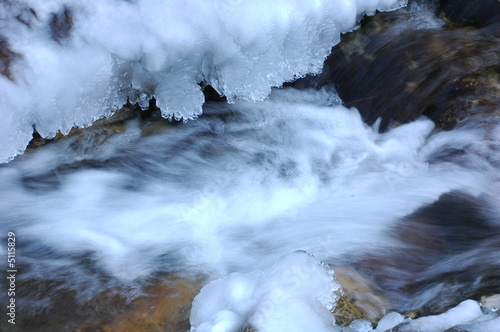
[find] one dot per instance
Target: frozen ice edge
(299, 293)
(164, 50)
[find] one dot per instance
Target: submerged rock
(447, 255)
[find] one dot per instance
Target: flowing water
(234, 191)
(265, 197)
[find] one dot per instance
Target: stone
(491, 303)
(478, 13)
(358, 300)
(164, 307)
(453, 226)
(450, 75)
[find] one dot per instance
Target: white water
(235, 196)
(231, 192)
(80, 60)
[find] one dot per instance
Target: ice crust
(467, 316)
(80, 60)
(295, 294)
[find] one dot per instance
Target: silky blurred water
(231, 192)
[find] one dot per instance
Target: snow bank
(78, 61)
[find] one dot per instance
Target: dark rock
(450, 75)
(478, 13)
(450, 250)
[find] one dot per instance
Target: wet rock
(87, 139)
(162, 304)
(392, 70)
(164, 307)
(447, 254)
(478, 13)
(358, 300)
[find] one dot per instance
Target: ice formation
(295, 294)
(467, 316)
(72, 62)
(389, 321)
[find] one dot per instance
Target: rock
(490, 303)
(450, 75)
(164, 307)
(87, 139)
(478, 13)
(452, 232)
(359, 300)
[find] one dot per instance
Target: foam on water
(232, 192)
(78, 61)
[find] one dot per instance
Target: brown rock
(358, 299)
(164, 307)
